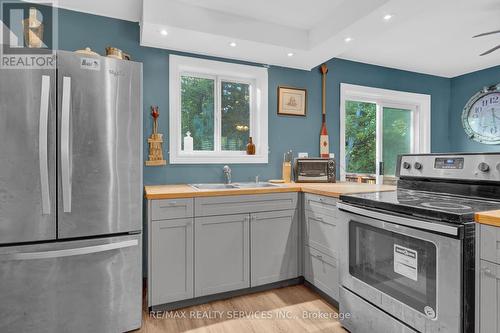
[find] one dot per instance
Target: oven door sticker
(90, 63)
(405, 262)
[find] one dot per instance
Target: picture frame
(292, 101)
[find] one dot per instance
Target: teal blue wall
(464, 87)
(78, 30)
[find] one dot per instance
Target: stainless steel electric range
(407, 256)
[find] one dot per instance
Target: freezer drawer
(80, 286)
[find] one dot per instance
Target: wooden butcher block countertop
(490, 218)
(330, 189)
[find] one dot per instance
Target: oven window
(399, 266)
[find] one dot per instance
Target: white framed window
(221, 105)
(376, 125)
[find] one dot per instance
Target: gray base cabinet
(171, 260)
(274, 246)
(320, 243)
(222, 254)
(490, 297)
(488, 279)
(205, 246)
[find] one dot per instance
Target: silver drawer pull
(319, 256)
(490, 274)
(170, 204)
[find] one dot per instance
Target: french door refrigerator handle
(43, 134)
(69, 252)
(65, 144)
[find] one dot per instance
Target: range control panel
(480, 166)
(449, 163)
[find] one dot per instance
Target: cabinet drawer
(242, 204)
(320, 232)
(321, 204)
(490, 243)
(322, 271)
(171, 209)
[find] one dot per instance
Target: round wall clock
(481, 116)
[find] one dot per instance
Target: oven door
(413, 275)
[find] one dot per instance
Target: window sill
(218, 159)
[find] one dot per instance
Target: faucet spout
(227, 174)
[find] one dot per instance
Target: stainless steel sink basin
(255, 185)
(213, 186)
(233, 186)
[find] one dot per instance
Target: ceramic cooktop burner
(445, 205)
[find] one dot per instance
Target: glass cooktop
(437, 206)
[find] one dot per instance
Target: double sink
(233, 186)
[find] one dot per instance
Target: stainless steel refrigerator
(71, 196)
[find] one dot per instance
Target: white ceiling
(427, 36)
(296, 14)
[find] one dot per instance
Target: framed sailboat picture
(292, 101)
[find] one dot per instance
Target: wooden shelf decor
(155, 141)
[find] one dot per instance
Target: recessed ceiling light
(347, 39)
(387, 17)
(164, 32)
(232, 44)
(290, 54)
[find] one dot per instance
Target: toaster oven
(314, 170)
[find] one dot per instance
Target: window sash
(257, 79)
(218, 79)
(419, 104)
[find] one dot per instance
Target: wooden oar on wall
(324, 149)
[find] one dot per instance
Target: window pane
(396, 137)
(235, 109)
(360, 136)
(197, 116)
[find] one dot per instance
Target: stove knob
(483, 167)
(417, 166)
(407, 165)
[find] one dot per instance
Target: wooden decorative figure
(155, 142)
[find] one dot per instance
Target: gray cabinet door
(274, 246)
(490, 298)
(221, 254)
(171, 261)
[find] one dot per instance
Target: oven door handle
(408, 222)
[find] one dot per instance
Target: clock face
(481, 117)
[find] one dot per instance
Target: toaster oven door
(312, 171)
